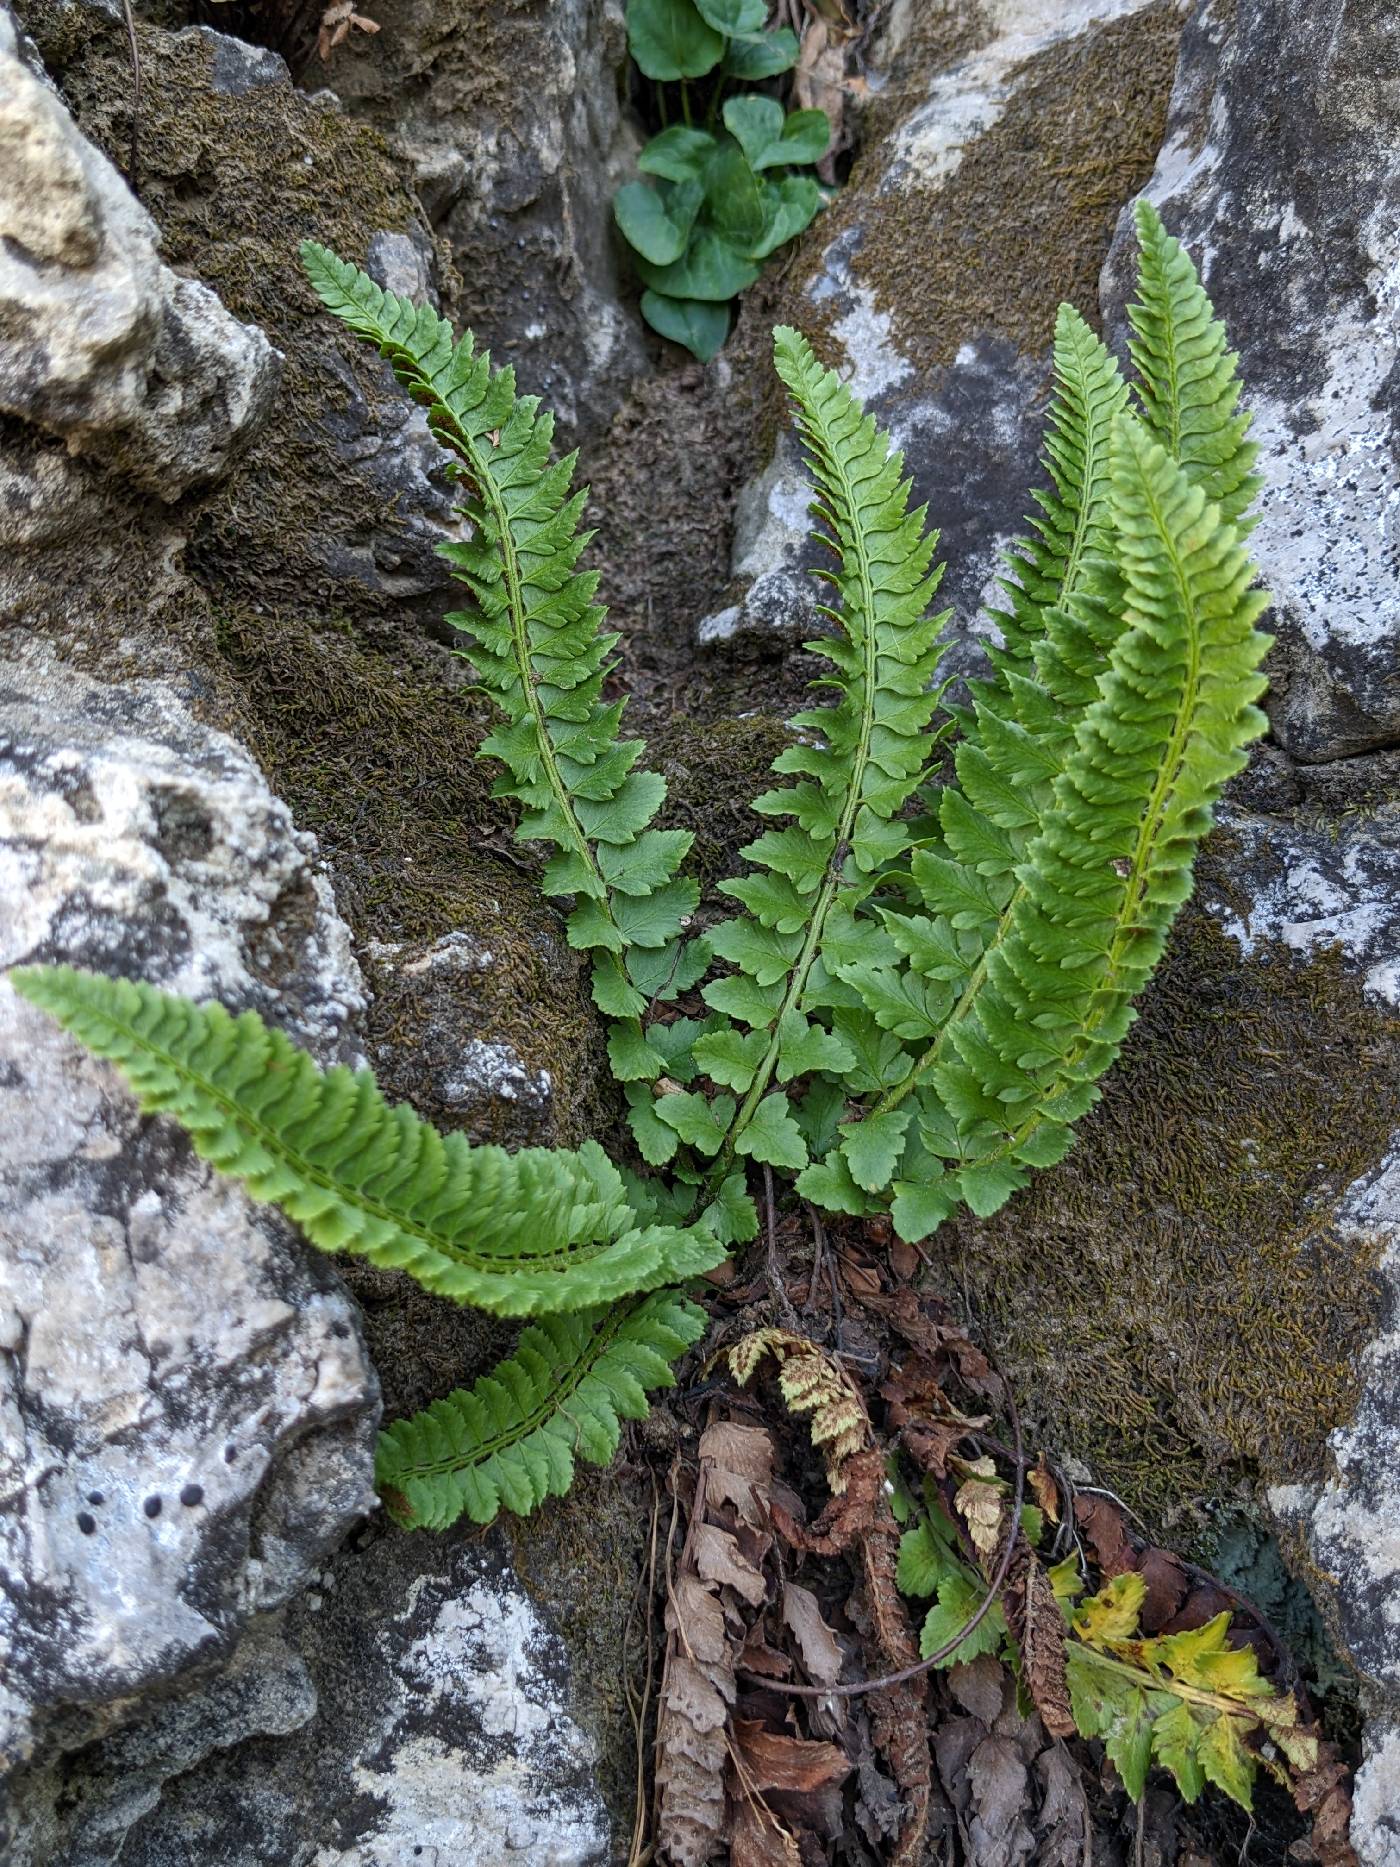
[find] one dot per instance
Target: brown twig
(132, 169)
(983, 1609)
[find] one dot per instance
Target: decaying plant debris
(804, 1716)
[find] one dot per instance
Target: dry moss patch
(1025, 220)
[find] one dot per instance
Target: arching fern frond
(856, 763)
(540, 649)
(1110, 865)
(546, 1229)
(510, 1441)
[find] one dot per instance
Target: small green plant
(1191, 1702)
(926, 976)
(721, 198)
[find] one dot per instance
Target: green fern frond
(1189, 387)
(510, 1441)
(1049, 1005)
(1072, 529)
(517, 1234)
(856, 764)
(540, 649)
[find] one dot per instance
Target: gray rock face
(455, 1742)
(187, 1412)
(1281, 172)
(936, 287)
(508, 122)
(100, 343)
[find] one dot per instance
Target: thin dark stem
(133, 173)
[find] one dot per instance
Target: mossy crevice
(1175, 1301)
(1025, 220)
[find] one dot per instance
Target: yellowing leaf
(1224, 1759)
(1113, 1613)
(1174, 1738)
(1204, 1658)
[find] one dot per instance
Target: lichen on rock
(187, 1412)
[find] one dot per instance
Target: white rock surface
(423, 1715)
(187, 1412)
(1281, 172)
(100, 343)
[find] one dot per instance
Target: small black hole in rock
(87, 1523)
(96, 1497)
(152, 1507)
(192, 1494)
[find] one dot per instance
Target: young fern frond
(1110, 865)
(991, 1105)
(856, 763)
(509, 1442)
(543, 1230)
(1072, 530)
(540, 649)
(1188, 387)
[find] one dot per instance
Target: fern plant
(927, 975)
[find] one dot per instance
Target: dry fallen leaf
(336, 22)
(772, 1760)
(816, 1643)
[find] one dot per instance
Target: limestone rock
(339, 500)
(187, 1411)
(932, 282)
(508, 121)
(1281, 173)
(100, 343)
(456, 1743)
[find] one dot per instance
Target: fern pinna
(928, 975)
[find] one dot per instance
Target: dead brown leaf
(772, 1760)
(1045, 1490)
(759, 1838)
(1039, 1626)
(821, 1656)
(718, 1558)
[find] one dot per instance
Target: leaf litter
(891, 1638)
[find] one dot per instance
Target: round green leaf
(644, 223)
(711, 269)
(678, 154)
(656, 224)
(669, 39)
(756, 122)
(788, 207)
(700, 327)
(733, 201)
(805, 136)
(735, 18)
(755, 59)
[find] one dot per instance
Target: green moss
(1175, 1301)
